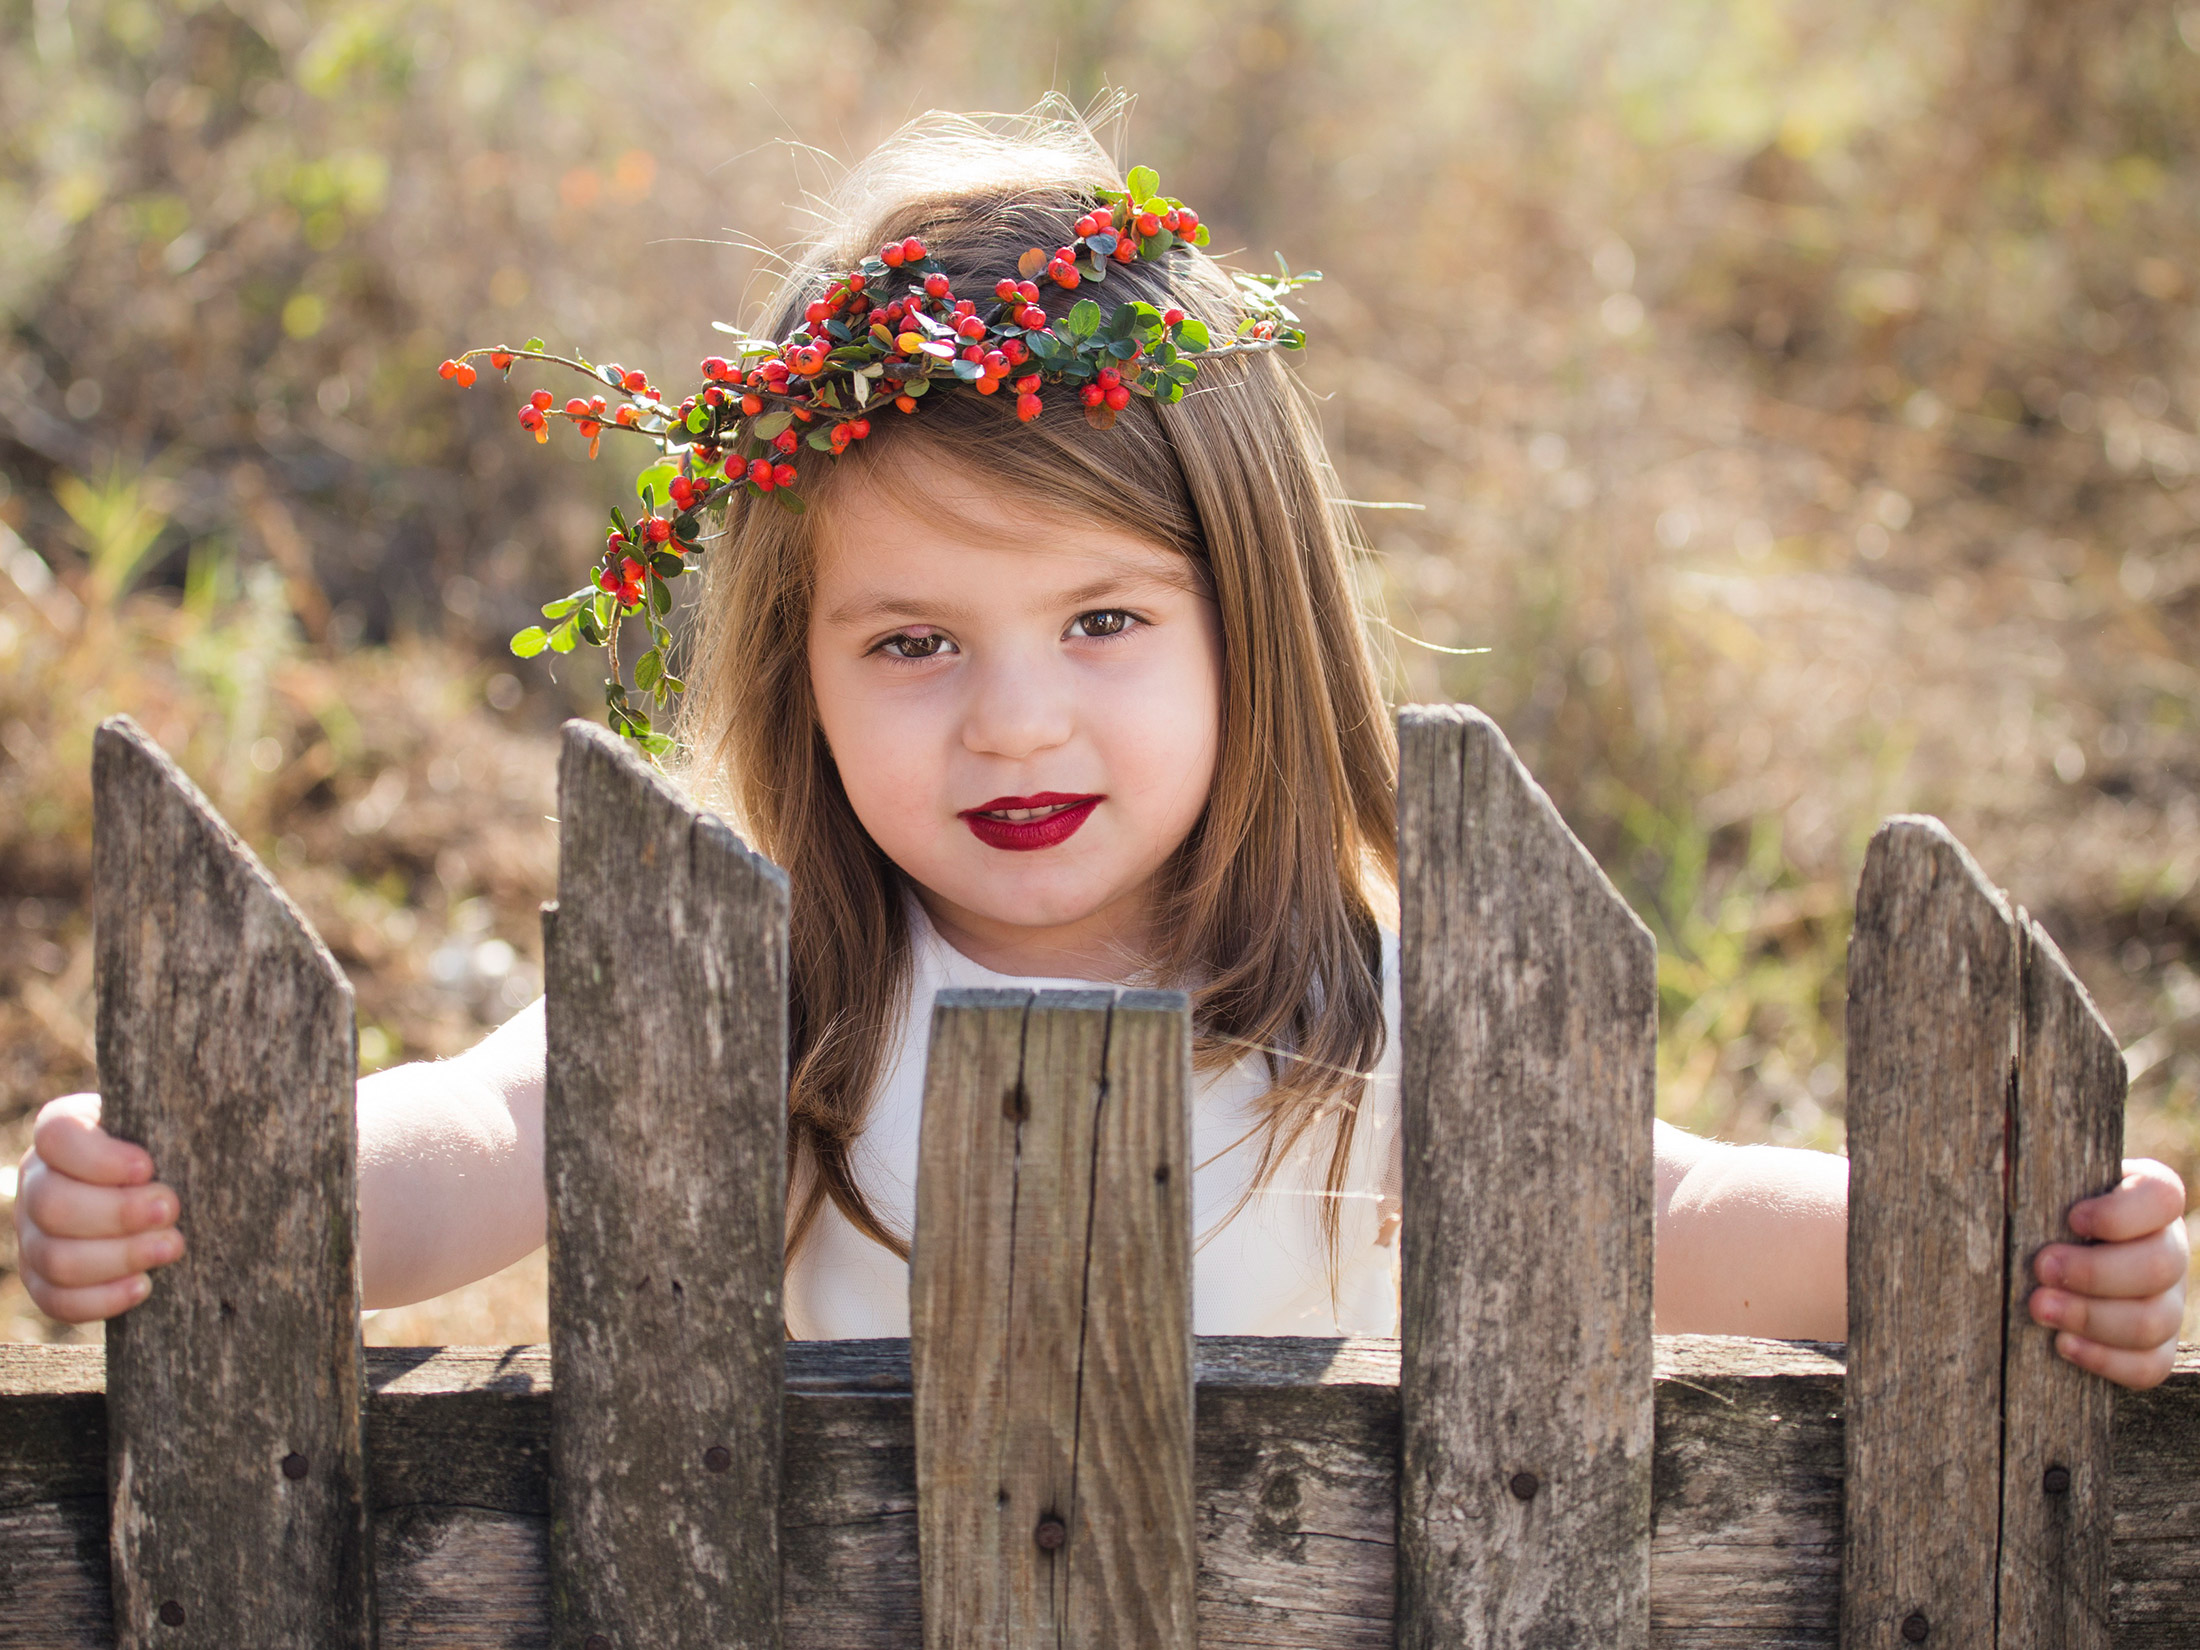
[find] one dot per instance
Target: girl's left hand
(2118, 1302)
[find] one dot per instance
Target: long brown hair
(1268, 908)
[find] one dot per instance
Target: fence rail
(1052, 1458)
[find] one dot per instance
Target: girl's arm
(1752, 1240)
(450, 1166)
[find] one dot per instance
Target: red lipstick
(1055, 818)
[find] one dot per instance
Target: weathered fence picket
(1516, 1472)
(664, 1157)
(233, 1393)
(1530, 1002)
(1985, 1097)
(1050, 1322)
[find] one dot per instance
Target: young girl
(1031, 697)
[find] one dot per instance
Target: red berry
(541, 399)
(996, 363)
(1092, 395)
(1028, 384)
(575, 407)
(907, 403)
(1148, 224)
(634, 382)
(751, 405)
(530, 418)
(1119, 397)
(1032, 318)
(855, 281)
(465, 376)
(1084, 225)
(1186, 220)
(715, 366)
(1030, 290)
(783, 474)
(860, 428)
(1014, 349)
(500, 359)
(891, 254)
(607, 581)
(936, 285)
(1172, 317)
(970, 327)
(1109, 378)
(971, 352)
(1064, 272)
(1004, 289)
(1104, 217)
(786, 441)
(761, 473)
(714, 396)
(682, 491)
(659, 529)
(449, 369)
(817, 314)
(1169, 219)
(987, 386)
(912, 250)
(1027, 407)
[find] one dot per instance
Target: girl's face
(1024, 711)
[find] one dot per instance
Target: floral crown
(888, 332)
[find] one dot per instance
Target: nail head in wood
(1052, 1534)
(2056, 1481)
(717, 1458)
(1524, 1485)
(171, 1613)
(294, 1466)
(1915, 1627)
(596, 1641)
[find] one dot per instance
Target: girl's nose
(1016, 711)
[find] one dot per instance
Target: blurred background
(1797, 399)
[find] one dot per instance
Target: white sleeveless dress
(1262, 1271)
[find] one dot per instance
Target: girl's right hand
(90, 1220)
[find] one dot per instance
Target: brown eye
(905, 646)
(1108, 621)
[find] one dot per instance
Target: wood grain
(1050, 1313)
(2068, 1144)
(1935, 995)
(236, 1472)
(664, 1132)
(1528, 1085)
(1296, 1463)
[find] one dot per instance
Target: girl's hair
(1269, 906)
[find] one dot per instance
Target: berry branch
(888, 332)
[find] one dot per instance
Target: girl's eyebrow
(869, 611)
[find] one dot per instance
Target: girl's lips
(1052, 816)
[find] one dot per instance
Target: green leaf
(1144, 183)
(591, 628)
(649, 670)
(1180, 372)
(838, 330)
(788, 502)
(820, 439)
(1103, 243)
(561, 639)
(660, 596)
(1083, 319)
(608, 376)
(698, 420)
(658, 479)
(606, 608)
(619, 522)
(1200, 237)
(668, 565)
(1095, 269)
(657, 744)
(1123, 349)
(675, 684)
(968, 371)
(530, 642)
(1193, 334)
(1152, 246)
(535, 344)
(770, 424)
(1173, 394)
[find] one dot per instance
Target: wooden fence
(1052, 1458)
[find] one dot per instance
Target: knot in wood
(1915, 1627)
(1051, 1534)
(1524, 1485)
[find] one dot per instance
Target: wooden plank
(1054, 1418)
(1934, 1000)
(236, 1472)
(2068, 1144)
(664, 1133)
(1529, 1073)
(1297, 1456)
